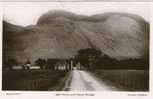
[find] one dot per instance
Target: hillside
(60, 34)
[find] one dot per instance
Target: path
(84, 81)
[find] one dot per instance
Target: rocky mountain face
(60, 34)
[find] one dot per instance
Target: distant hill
(60, 34)
(10, 40)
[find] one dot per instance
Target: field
(43, 80)
(129, 80)
(36, 80)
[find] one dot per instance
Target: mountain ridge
(119, 36)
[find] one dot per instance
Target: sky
(27, 13)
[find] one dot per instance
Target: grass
(36, 80)
(130, 80)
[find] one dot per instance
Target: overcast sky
(25, 14)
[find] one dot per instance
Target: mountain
(10, 40)
(60, 34)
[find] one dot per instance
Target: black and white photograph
(52, 46)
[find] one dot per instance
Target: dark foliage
(10, 62)
(95, 59)
(88, 57)
(51, 62)
(41, 62)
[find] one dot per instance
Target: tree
(11, 62)
(40, 62)
(51, 63)
(28, 62)
(88, 57)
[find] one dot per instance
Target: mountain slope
(60, 34)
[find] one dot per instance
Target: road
(84, 81)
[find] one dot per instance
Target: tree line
(43, 63)
(94, 59)
(89, 58)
